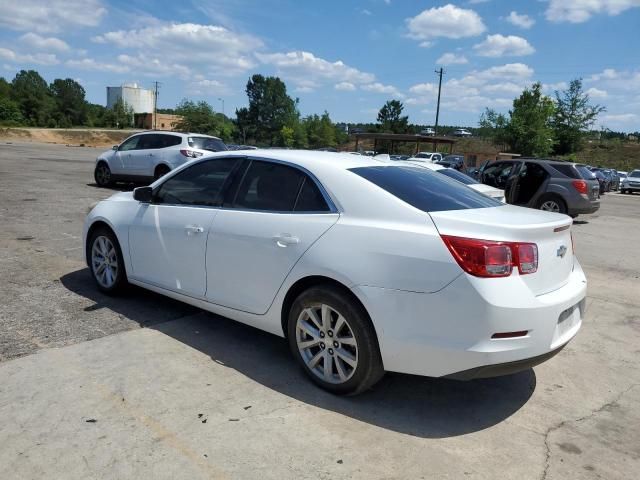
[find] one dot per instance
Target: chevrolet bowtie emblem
(561, 251)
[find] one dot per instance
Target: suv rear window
(207, 143)
(568, 170)
(425, 190)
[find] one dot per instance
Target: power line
(440, 73)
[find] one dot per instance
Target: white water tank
(139, 99)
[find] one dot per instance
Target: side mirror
(115, 147)
(143, 194)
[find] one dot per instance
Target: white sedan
(363, 266)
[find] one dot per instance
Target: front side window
(201, 184)
(269, 186)
(425, 190)
(496, 175)
(130, 143)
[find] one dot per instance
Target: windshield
(459, 176)
(425, 190)
(635, 174)
(207, 143)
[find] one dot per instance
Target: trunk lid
(551, 232)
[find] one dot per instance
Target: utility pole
(155, 103)
(222, 100)
(440, 73)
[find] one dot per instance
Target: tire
(102, 175)
(160, 171)
(112, 277)
(552, 203)
(347, 341)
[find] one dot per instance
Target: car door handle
(285, 239)
(193, 229)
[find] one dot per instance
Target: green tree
(71, 106)
(493, 125)
(287, 136)
(574, 116)
(390, 117)
(120, 116)
(31, 92)
(530, 131)
(10, 113)
(321, 131)
(201, 118)
(270, 108)
(5, 88)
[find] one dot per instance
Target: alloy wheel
(104, 261)
(103, 174)
(326, 343)
(550, 206)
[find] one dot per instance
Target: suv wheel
(552, 203)
(102, 175)
(331, 336)
(161, 171)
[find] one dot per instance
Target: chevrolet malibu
(363, 267)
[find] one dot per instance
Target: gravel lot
(146, 387)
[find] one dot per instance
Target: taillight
(580, 186)
(190, 153)
(487, 258)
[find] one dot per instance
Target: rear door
(168, 237)
(277, 213)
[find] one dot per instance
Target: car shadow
(581, 222)
(419, 406)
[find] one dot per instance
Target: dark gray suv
(550, 185)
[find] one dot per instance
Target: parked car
(322, 248)
(427, 156)
(492, 192)
(461, 132)
(631, 183)
(550, 185)
(427, 131)
(453, 161)
(615, 180)
(604, 179)
(147, 156)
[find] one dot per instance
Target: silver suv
(551, 185)
(147, 156)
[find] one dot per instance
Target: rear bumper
(584, 207)
(450, 332)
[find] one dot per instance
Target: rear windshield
(207, 143)
(456, 175)
(424, 189)
(568, 170)
(585, 173)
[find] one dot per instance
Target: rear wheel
(552, 203)
(331, 336)
(161, 171)
(102, 175)
(105, 260)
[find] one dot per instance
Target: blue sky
(346, 57)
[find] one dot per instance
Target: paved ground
(86, 393)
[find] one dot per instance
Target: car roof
(179, 134)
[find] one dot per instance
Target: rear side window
(425, 190)
(170, 141)
(585, 173)
(269, 186)
(207, 143)
(568, 170)
(310, 199)
(201, 184)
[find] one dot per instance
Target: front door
(168, 237)
(277, 214)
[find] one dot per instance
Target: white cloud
(364, 11)
(38, 42)
(503, 46)
(552, 87)
(91, 64)
(448, 21)
(28, 58)
(345, 86)
(578, 11)
(607, 73)
(208, 47)
(378, 87)
(425, 44)
(50, 16)
(620, 121)
(596, 93)
(299, 67)
(522, 21)
(206, 86)
(452, 59)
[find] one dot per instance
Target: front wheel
(105, 261)
(102, 175)
(331, 336)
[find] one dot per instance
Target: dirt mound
(86, 137)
